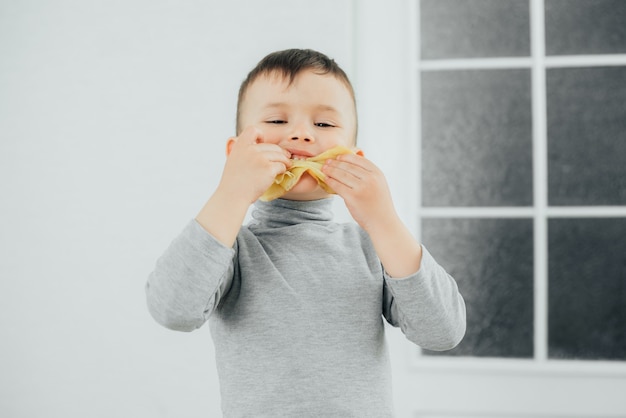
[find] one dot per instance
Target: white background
(113, 122)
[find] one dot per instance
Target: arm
(189, 279)
(364, 189)
(427, 306)
(419, 296)
(197, 269)
(250, 169)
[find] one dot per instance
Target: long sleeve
(189, 279)
(427, 306)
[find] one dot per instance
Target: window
(521, 110)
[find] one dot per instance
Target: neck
(283, 212)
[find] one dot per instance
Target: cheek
(347, 139)
(349, 135)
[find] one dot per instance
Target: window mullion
(540, 168)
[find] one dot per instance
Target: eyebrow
(321, 107)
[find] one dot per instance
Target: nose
(301, 133)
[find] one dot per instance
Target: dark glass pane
(474, 28)
(587, 288)
(585, 27)
(492, 261)
(477, 138)
(587, 136)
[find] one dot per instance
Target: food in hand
(313, 165)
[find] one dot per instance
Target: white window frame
(386, 74)
(540, 212)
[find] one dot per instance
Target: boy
(295, 301)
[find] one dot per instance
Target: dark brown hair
(289, 63)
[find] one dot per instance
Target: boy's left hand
(363, 187)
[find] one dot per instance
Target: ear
(229, 145)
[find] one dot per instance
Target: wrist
(223, 215)
(383, 225)
(233, 196)
(399, 252)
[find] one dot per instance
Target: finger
(357, 160)
(353, 170)
(251, 135)
(281, 157)
(346, 177)
(275, 153)
(340, 188)
(278, 168)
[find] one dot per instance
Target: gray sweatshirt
(296, 311)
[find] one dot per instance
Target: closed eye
(277, 122)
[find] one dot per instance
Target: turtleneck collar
(281, 212)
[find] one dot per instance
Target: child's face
(307, 117)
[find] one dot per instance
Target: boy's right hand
(252, 165)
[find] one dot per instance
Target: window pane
(492, 262)
(477, 138)
(587, 136)
(585, 27)
(474, 28)
(587, 288)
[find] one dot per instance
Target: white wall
(113, 119)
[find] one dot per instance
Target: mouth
(299, 154)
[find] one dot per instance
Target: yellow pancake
(313, 165)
